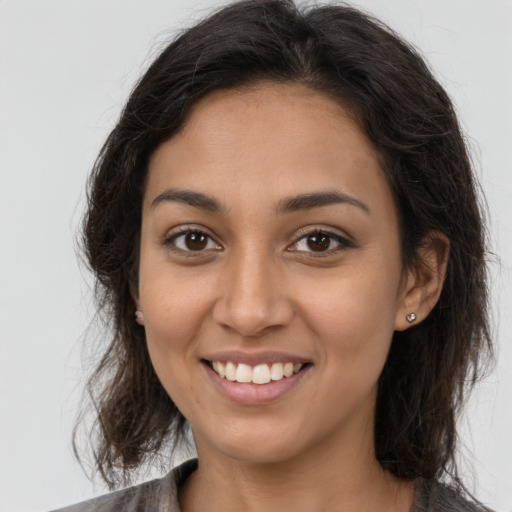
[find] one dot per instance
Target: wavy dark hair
(361, 63)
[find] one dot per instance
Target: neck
(331, 476)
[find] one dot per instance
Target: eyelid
(171, 236)
(342, 239)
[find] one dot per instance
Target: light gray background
(66, 68)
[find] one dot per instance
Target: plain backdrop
(66, 68)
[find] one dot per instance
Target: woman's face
(270, 239)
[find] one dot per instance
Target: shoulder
(432, 496)
(160, 495)
(133, 499)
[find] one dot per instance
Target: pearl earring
(411, 317)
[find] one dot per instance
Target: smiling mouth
(259, 374)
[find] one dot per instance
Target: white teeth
(219, 368)
(243, 373)
(230, 371)
(276, 372)
(260, 374)
(288, 369)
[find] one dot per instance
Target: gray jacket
(161, 495)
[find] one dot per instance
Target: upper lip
(255, 358)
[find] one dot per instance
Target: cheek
(357, 301)
(175, 304)
(175, 308)
(354, 316)
(353, 324)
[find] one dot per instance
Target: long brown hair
(403, 110)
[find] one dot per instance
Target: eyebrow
(301, 202)
(191, 198)
(317, 199)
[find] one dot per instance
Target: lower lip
(255, 394)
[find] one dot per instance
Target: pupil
(195, 241)
(318, 242)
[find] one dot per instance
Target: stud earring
(411, 317)
(139, 316)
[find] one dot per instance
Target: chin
(256, 444)
(261, 454)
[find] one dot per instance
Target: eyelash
(182, 232)
(343, 242)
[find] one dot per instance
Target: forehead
(268, 140)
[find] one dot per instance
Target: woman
(287, 241)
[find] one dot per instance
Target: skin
(258, 285)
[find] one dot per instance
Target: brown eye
(190, 241)
(196, 241)
(319, 242)
(323, 243)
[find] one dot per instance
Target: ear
(423, 284)
(139, 315)
(134, 292)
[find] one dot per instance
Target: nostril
(252, 318)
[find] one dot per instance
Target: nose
(252, 299)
